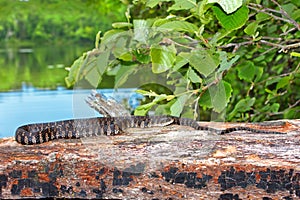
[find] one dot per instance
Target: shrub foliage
(221, 60)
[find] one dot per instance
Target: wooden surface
(172, 162)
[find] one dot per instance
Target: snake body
(77, 128)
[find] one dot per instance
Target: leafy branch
(202, 57)
(272, 12)
(264, 40)
(282, 46)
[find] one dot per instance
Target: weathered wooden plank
(170, 162)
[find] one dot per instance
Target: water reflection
(40, 66)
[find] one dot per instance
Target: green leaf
(258, 73)
(228, 6)
(217, 96)
(127, 56)
(102, 61)
(193, 76)
(74, 69)
(220, 95)
(296, 2)
(123, 73)
(142, 55)
(147, 93)
(272, 81)
(97, 40)
(121, 25)
(181, 60)
(296, 14)
(296, 54)
(242, 106)
(261, 17)
(154, 94)
(289, 8)
(111, 37)
(119, 46)
(90, 66)
(205, 100)
(189, 113)
(94, 67)
(204, 61)
(143, 109)
(141, 30)
(183, 5)
(164, 109)
(247, 71)
(233, 21)
(271, 108)
(162, 57)
(251, 28)
(228, 90)
(180, 26)
(158, 22)
(201, 12)
(283, 82)
(225, 64)
(271, 92)
(274, 108)
(93, 77)
(267, 108)
(292, 113)
(152, 3)
(178, 106)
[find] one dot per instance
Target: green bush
(229, 60)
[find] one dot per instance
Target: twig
(288, 31)
(290, 46)
(284, 13)
(281, 47)
(271, 38)
(271, 44)
(268, 11)
(264, 10)
(170, 41)
(284, 111)
(281, 75)
(267, 51)
(236, 45)
(295, 104)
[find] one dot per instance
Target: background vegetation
(55, 21)
(236, 60)
(38, 38)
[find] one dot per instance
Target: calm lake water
(32, 87)
(33, 106)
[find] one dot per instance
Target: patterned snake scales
(43, 132)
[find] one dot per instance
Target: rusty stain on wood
(170, 162)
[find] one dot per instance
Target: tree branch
(284, 13)
(283, 47)
(268, 11)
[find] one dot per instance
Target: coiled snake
(43, 132)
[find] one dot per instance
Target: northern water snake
(43, 132)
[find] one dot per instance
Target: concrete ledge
(159, 163)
